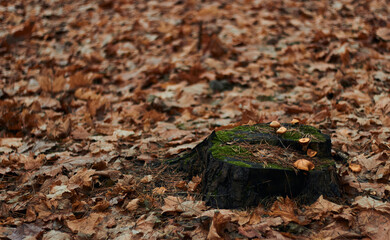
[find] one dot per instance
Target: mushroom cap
(303, 164)
(274, 124)
(294, 121)
(281, 130)
(304, 141)
(355, 167)
(311, 152)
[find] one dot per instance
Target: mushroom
(355, 167)
(294, 121)
(304, 143)
(303, 164)
(274, 124)
(311, 152)
(281, 130)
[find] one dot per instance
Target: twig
(200, 33)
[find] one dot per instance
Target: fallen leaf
(11, 142)
(147, 179)
(101, 206)
(284, 208)
(172, 204)
(159, 190)
(218, 225)
(56, 235)
(374, 224)
(86, 225)
(322, 208)
(132, 205)
(365, 202)
(383, 33)
(83, 178)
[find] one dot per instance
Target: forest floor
(95, 94)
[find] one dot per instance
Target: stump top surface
(258, 146)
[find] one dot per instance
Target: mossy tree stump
(246, 164)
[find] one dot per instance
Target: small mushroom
(274, 124)
(355, 167)
(311, 152)
(281, 130)
(303, 164)
(294, 121)
(304, 143)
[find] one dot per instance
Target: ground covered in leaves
(94, 94)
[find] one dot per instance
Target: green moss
(226, 135)
(220, 151)
(240, 164)
(304, 131)
(276, 166)
(326, 162)
(239, 132)
(293, 135)
(265, 98)
(312, 131)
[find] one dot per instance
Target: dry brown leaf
(79, 79)
(365, 202)
(192, 208)
(101, 206)
(59, 129)
(193, 184)
(303, 108)
(383, 33)
(322, 208)
(172, 204)
(217, 227)
(83, 178)
(147, 179)
(284, 208)
(10, 142)
(159, 190)
(374, 224)
(132, 205)
(181, 185)
(86, 225)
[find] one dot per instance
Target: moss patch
(228, 135)
(240, 164)
(265, 98)
(294, 132)
(276, 166)
(255, 143)
(304, 131)
(221, 151)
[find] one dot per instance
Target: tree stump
(246, 164)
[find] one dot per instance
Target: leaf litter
(91, 101)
